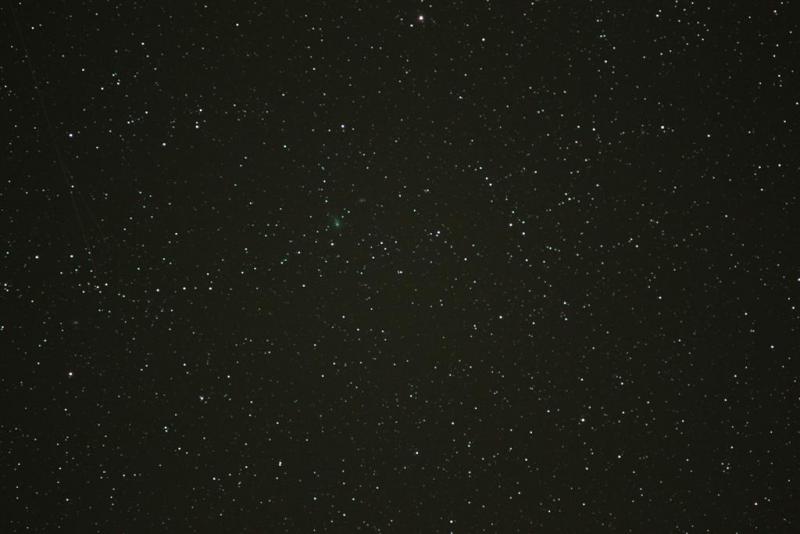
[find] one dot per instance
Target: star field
(400, 267)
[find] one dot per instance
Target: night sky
(409, 267)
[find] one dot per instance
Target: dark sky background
(404, 267)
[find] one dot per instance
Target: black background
(399, 267)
